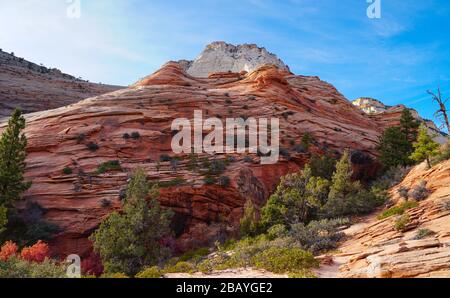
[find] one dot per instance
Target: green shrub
(423, 233)
(248, 159)
(402, 222)
(420, 192)
(180, 267)
(318, 236)
(209, 180)
(224, 181)
(135, 135)
(80, 138)
(92, 146)
(276, 231)
(403, 192)
(151, 272)
(398, 210)
(67, 171)
(192, 163)
(447, 205)
(194, 255)
(347, 197)
(114, 275)
(132, 239)
(323, 166)
(171, 183)
(248, 224)
(106, 203)
(113, 165)
(296, 199)
(282, 260)
(17, 268)
(164, 158)
(126, 136)
(307, 140)
(302, 274)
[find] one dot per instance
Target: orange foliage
(9, 249)
(36, 253)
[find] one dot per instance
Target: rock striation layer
(133, 126)
(377, 249)
(33, 87)
(390, 116)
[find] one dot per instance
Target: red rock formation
(59, 138)
(33, 88)
(377, 249)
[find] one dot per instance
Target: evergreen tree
(249, 221)
(394, 148)
(425, 147)
(296, 199)
(13, 145)
(409, 125)
(131, 240)
(347, 197)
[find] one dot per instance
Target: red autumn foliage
(36, 253)
(92, 265)
(9, 249)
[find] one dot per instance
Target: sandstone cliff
(374, 248)
(86, 134)
(33, 87)
(390, 116)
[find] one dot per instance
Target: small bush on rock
(398, 210)
(402, 222)
(282, 260)
(420, 192)
(152, 272)
(423, 233)
(403, 192)
(67, 171)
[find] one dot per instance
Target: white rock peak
(220, 56)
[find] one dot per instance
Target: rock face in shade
(224, 57)
(203, 213)
(377, 249)
(33, 88)
(390, 116)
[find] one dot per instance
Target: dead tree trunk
(441, 114)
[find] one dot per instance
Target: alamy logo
(374, 9)
(74, 9)
(74, 268)
(241, 135)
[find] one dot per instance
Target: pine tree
(394, 148)
(341, 186)
(425, 147)
(409, 125)
(347, 197)
(249, 221)
(129, 241)
(13, 145)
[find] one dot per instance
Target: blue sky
(394, 59)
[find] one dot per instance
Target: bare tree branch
(440, 114)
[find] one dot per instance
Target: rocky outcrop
(33, 87)
(377, 249)
(96, 130)
(223, 57)
(389, 116)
